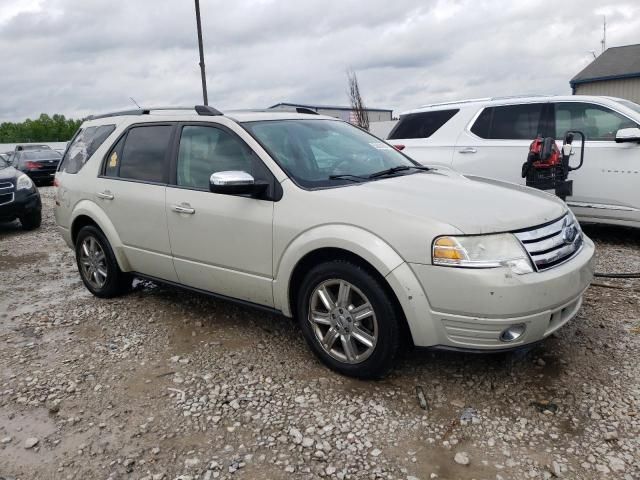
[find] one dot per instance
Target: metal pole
(202, 72)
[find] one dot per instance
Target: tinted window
(509, 122)
(421, 125)
(113, 159)
(206, 150)
(83, 146)
(144, 154)
(595, 121)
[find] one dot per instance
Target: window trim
(175, 150)
(123, 135)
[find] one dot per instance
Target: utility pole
(604, 34)
(202, 70)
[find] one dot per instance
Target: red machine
(547, 167)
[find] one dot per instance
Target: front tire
(31, 220)
(348, 319)
(97, 264)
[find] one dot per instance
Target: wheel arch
(336, 242)
(87, 213)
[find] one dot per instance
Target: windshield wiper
(400, 168)
(347, 176)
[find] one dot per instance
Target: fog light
(513, 333)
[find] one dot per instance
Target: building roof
(615, 63)
(330, 107)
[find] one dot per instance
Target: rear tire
(31, 220)
(348, 319)
(98, 266)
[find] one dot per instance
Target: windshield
(40, 155)
(314, 152)
(3, 163)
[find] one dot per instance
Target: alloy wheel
(93, 262)
(343, 321)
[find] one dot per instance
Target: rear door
(606, 187)
(415, 134)
(496, 143)
(131, 190)
(220, 243)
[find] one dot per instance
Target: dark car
(32, 146)
(19, 198)
(40, 165)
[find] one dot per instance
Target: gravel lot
(167, 384)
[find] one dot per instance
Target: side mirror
(628, 135)
(236, 182)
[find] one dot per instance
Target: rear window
(421, 125)
(83, 145)
(40, 155)
(509, 122)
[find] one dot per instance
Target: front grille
(6, 198)
(552, 244)
(6, 187)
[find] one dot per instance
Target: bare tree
(357, 105)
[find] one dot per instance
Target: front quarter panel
(341, 236)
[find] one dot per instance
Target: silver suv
(313, 218)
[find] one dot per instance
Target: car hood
(9, 173)
(473, 205)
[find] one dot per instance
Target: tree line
(56, 128)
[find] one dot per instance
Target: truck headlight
(481, 251)
(24, 183)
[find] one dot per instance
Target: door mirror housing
(236, 182)
(628, 135)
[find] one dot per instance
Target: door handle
(183, 208)
(106, 195)
(467, 150)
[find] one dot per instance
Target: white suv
(312, 217)
(490, 137)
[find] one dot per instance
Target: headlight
(481, 251)
(24, 183)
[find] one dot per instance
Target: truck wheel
(348, 319)
(98, 266)
(31, 220)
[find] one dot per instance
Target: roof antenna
(604, 33)
(136, 103)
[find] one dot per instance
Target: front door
(606, 187)
(220, 243)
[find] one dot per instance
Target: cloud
(85, 57)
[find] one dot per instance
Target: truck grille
(552, 244)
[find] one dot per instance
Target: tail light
(399, 147)
(56, 183)
(32, 165)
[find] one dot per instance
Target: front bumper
(24, 203)
(468, 309)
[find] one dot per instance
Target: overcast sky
(80, 57)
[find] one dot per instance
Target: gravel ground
(167, 384)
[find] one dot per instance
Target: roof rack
(200, 110)
(303, 110)
(452, 102)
